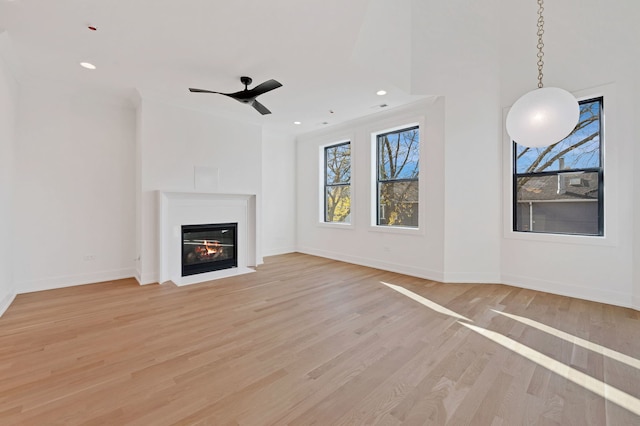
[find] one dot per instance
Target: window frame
(326, 185)
(599, 170)
(376, 177)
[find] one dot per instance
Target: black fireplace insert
(209, 247)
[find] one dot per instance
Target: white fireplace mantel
(194, 208)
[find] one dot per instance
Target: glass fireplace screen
(209, 247)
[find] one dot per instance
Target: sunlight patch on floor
(616, 396)
(426, 302)
(609, 353)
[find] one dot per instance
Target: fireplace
(209, 247)
(186, 208)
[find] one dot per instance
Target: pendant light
(545, 115)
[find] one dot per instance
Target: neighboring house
(565, 203)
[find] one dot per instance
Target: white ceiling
(328, 54)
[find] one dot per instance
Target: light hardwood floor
(307, 340)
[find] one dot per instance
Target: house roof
(562, 187)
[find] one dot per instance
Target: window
(398, 165)
(337, 183)
(559, 189)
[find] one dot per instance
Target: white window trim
(321, 195)
(611, 230)
(386, 127)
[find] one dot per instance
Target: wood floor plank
(308, 340)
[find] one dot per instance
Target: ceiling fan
(248, 96)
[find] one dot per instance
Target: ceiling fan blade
(203, 91)
(265, 87)
(260, 108)
(248, 96)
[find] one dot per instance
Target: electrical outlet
(89, 257)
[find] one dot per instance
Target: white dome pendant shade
(543, 117)
(546, 115)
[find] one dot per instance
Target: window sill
(336, 225)
(585, 240)
(399, 230)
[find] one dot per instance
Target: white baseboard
(471, 278)
(279, 250)
(636, 303)
(373, 263)
(72, 280)
(562, 289)
(146, 278)
(600, 295)
(5, 302)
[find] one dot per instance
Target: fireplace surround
(178, 209)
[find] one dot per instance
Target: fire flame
(212, 247)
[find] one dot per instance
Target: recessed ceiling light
(88, 65)
(381, 92)
(297, 122)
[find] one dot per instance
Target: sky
(584, 156)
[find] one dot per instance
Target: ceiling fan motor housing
(246, 81)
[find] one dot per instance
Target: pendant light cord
(540, 42)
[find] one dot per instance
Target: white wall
(476, 57)
(416, 253)
(8, 102)
(172, 142)
(636, 208)
(588, 50)
(138, 188)
(455, 54)
(278, 193)
(74, 198)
